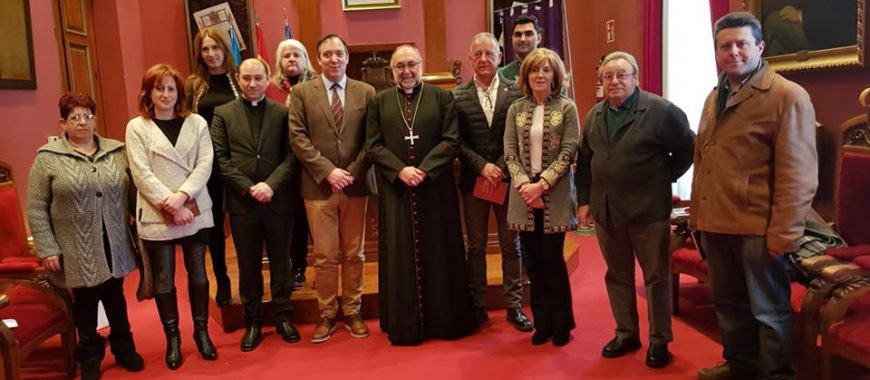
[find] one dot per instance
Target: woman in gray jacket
(170, 156)
(540, 144)
(78, 210)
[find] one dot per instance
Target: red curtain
(718, 8)
(651, 72)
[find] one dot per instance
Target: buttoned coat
(756, 166)
(559, 149)
(626, 179)
(160, 169)
(244, 162)
(70, 200)
(480, 143)
(321, 145)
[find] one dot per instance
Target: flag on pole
(234, 46)
(262, 53)
(287, 34)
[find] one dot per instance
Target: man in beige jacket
(755, 176)
(327, 127)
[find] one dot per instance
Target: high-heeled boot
(167, 307)
(199, 310)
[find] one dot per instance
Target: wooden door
(74, 27)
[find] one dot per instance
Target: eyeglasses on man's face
(401, 66)
(81, 117)
(619, 76)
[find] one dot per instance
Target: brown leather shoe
(356, 325)
(720, 371)
(323, 330)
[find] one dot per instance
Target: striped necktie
(337, 111)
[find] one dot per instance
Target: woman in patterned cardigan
(540, 144)
(76, 186)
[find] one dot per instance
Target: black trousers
(84, 309)
(550, 289)
(162, 256)
(217, 243)
(299, 241)
(250, 232)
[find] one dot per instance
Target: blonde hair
(537, 58)
(278, 73)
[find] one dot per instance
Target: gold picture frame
(816, 39)
(17, 69)
(366, 5)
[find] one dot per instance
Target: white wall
(689, 64)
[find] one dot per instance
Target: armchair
(41, 309)
(840, 294)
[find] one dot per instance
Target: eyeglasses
(409, 66)
(620, 76)
(79, 118)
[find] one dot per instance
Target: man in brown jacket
(755, 176)
(327, 128)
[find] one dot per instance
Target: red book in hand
(485, 190)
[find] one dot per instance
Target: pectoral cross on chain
(412, 137)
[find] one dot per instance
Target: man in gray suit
(635, 144)
(327, 125)
(481, 106)
(252, 147)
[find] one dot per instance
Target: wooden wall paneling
(435, 29)
(310, 28)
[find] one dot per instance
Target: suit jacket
(160, 169)
(756, 166)
(480, 143)
(559, 150)
(244, 162)
(627, 181)
(322, 146)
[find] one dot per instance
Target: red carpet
(496, 352)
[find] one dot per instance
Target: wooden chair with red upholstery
(840, 294)
(40, 309)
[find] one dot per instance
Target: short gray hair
(480, 37)
(618, 55)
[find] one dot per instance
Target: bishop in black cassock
(412, 134)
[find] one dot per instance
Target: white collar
(328, 83)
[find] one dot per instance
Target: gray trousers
(476, 223)
(751, 293)
(649, 243)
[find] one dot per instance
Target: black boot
(124, 350)
(90, 352)
(199, 310)
(167, 307)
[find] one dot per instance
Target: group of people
(286, 153)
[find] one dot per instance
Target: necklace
(81, 150)
(411, 136)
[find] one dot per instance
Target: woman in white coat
(170, 155)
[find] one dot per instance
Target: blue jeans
(751, 293)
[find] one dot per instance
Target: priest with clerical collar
(412, 138)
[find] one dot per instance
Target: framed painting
(363, 5)
(811, 34)
(17, 69)
(221, 15)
